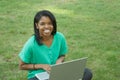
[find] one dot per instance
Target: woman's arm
(60, 59)
(25, 66)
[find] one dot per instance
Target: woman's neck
(47, 38)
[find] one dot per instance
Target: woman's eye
(42, 23)
(49, 23)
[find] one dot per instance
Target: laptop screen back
(72, 70)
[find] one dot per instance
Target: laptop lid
(71, 70)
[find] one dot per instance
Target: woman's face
(45, 26)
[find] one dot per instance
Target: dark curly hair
(36, 20)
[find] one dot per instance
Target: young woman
(45, 47)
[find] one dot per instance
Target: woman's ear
(36, 25)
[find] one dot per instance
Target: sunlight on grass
(58, 10)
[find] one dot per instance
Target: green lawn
(91, 27)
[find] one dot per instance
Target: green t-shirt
(33, 53)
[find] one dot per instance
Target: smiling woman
(46, 47)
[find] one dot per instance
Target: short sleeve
(26, 52)
(64, 47)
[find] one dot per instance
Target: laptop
(69, 70)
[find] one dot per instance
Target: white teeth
(46, 31)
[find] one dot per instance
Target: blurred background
(91, 28)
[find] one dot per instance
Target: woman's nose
(46, 26)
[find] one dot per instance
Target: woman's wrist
(34, 66)
(60, 60)
(37, 66)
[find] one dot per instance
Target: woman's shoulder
(31, 40)
(59, 34)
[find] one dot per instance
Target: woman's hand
(46, 67)
(60, 59)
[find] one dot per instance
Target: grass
(91, 27)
